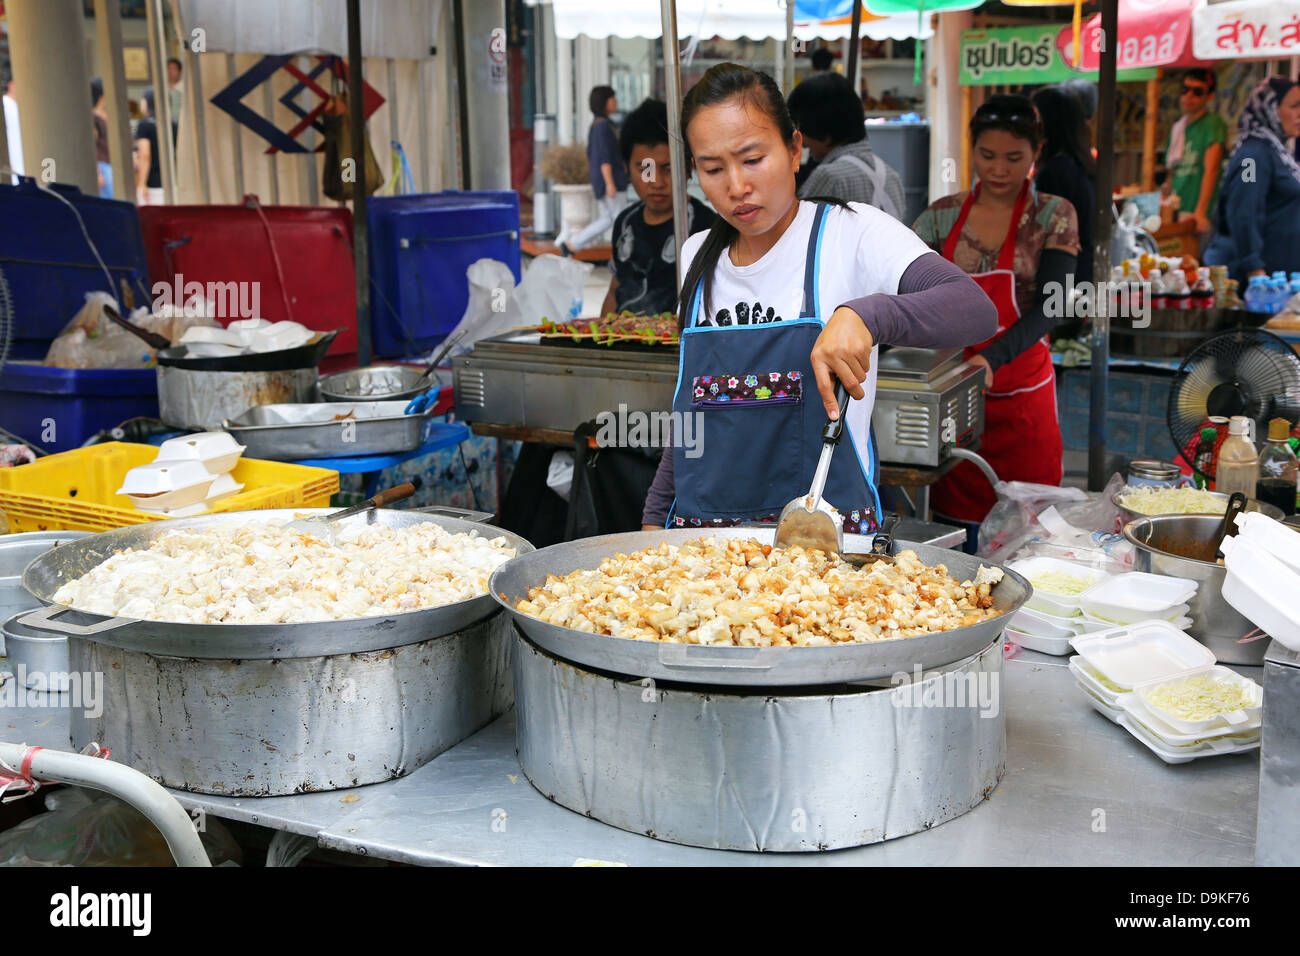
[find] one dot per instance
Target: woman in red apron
(1020, 246)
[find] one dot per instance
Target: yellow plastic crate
(76, 490)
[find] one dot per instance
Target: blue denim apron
(761, 417)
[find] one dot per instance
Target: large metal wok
(751, 666)
(48, 573)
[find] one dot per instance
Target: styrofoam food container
(245, 330)
(1262, 589)
(1042, 624)
(167, 484)
(1241, 718)
(186, 511)
(1137, 653)
(1091, 625)
(1058, 646)
(210, 335)
(1180, 754)
(1273, 536)
(223, 487)
(1226, 736)
(1136, 595)
(218, 451)
(280, 335)
(1064, 605)
(212, 350)
(1168, 614)
(1113, 714)
(1088, 678)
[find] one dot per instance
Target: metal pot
(279, 708)
(1263, 507)
(752, 666)
(38, 660)
(16, 552)
(1182, 546)
(374, 383)
(783, 770)
(190, 398)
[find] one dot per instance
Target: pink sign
(1253, 28)
(1151, 33)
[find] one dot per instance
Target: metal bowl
(374, 383)
(1272, 511)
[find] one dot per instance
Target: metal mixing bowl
(374, 383)
(1273, 511)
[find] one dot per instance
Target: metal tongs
(325, 527)
(809, 521)
(1236, 505)
(882, 545)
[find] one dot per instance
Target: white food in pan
(727, 591)
(263, 574)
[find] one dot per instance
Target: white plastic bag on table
(93, 340)
(1066, 523)
(551, 288)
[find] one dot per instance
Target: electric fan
(1246, 372)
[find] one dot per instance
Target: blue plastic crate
(59, 408)
(420, 247)
(48, 265)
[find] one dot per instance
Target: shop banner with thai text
(1013, 56)
(1248, 28)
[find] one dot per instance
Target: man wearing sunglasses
(1195, 152)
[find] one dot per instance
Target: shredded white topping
(263, 574)
(731, 591)
(1172, 501)
(1199, 697)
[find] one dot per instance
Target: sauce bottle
(1238, 466)
(1279, 471)
(1204, 467)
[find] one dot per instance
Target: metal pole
(462, 94)
(268, 109)
(108, 36)
(161, 99)
(676, 145)
(787, 65)
(236, 142)
(1101, 248)
(200, 126)
(855, 47)
(360, 226)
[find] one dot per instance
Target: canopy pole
(360, 226)
(1149, 132)
(787, 64)
(108, 34)
(1101, 248)
(855, 47)
(161, 100)
(676, 144)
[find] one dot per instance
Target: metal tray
(50, 571)
(751, 666)
(296, 432)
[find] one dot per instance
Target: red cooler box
(299, 256)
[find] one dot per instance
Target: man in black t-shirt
(645, 256)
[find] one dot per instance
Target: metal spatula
(325, 527)
(809, 521)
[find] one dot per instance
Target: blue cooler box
(420, 247)
(49, 266)
(59, 408)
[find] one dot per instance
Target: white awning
(1246, 29)
(729, 19)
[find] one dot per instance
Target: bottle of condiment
(1279, 470)
(1203, 290)
(1238, 466)
(1204, 469)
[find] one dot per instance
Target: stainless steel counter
(1077, 790)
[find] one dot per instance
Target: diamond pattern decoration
(230, 99)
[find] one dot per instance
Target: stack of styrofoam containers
(1051, 616)
(189, 475)
(1262, 582)
(1137, 596)
(1118, 670)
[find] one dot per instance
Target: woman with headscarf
(1257, 222)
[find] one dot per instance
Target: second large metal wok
(48, 573)
(751, 666)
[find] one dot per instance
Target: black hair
(96, 90)
(825, 106)
(1085, 91)
(598, 99)
(647, 125)
(822, 58)
(1064, 129)
(1205, 76)
(147, 96)
(1010, 112)
(172, 59)
(723, 82)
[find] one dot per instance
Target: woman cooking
(1019, 245)
(780, 294)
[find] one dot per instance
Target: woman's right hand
(651, 527)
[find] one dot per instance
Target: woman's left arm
(1054, 266)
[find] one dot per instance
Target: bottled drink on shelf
(1279, 471)
(1238, 466)
(1203, 291)
(1204, 467)
(1159, 300)
(1178, 294)
(1257, 294)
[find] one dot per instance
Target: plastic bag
(93, 340)
(551, 289)
(89, 828)
(1066, 523)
